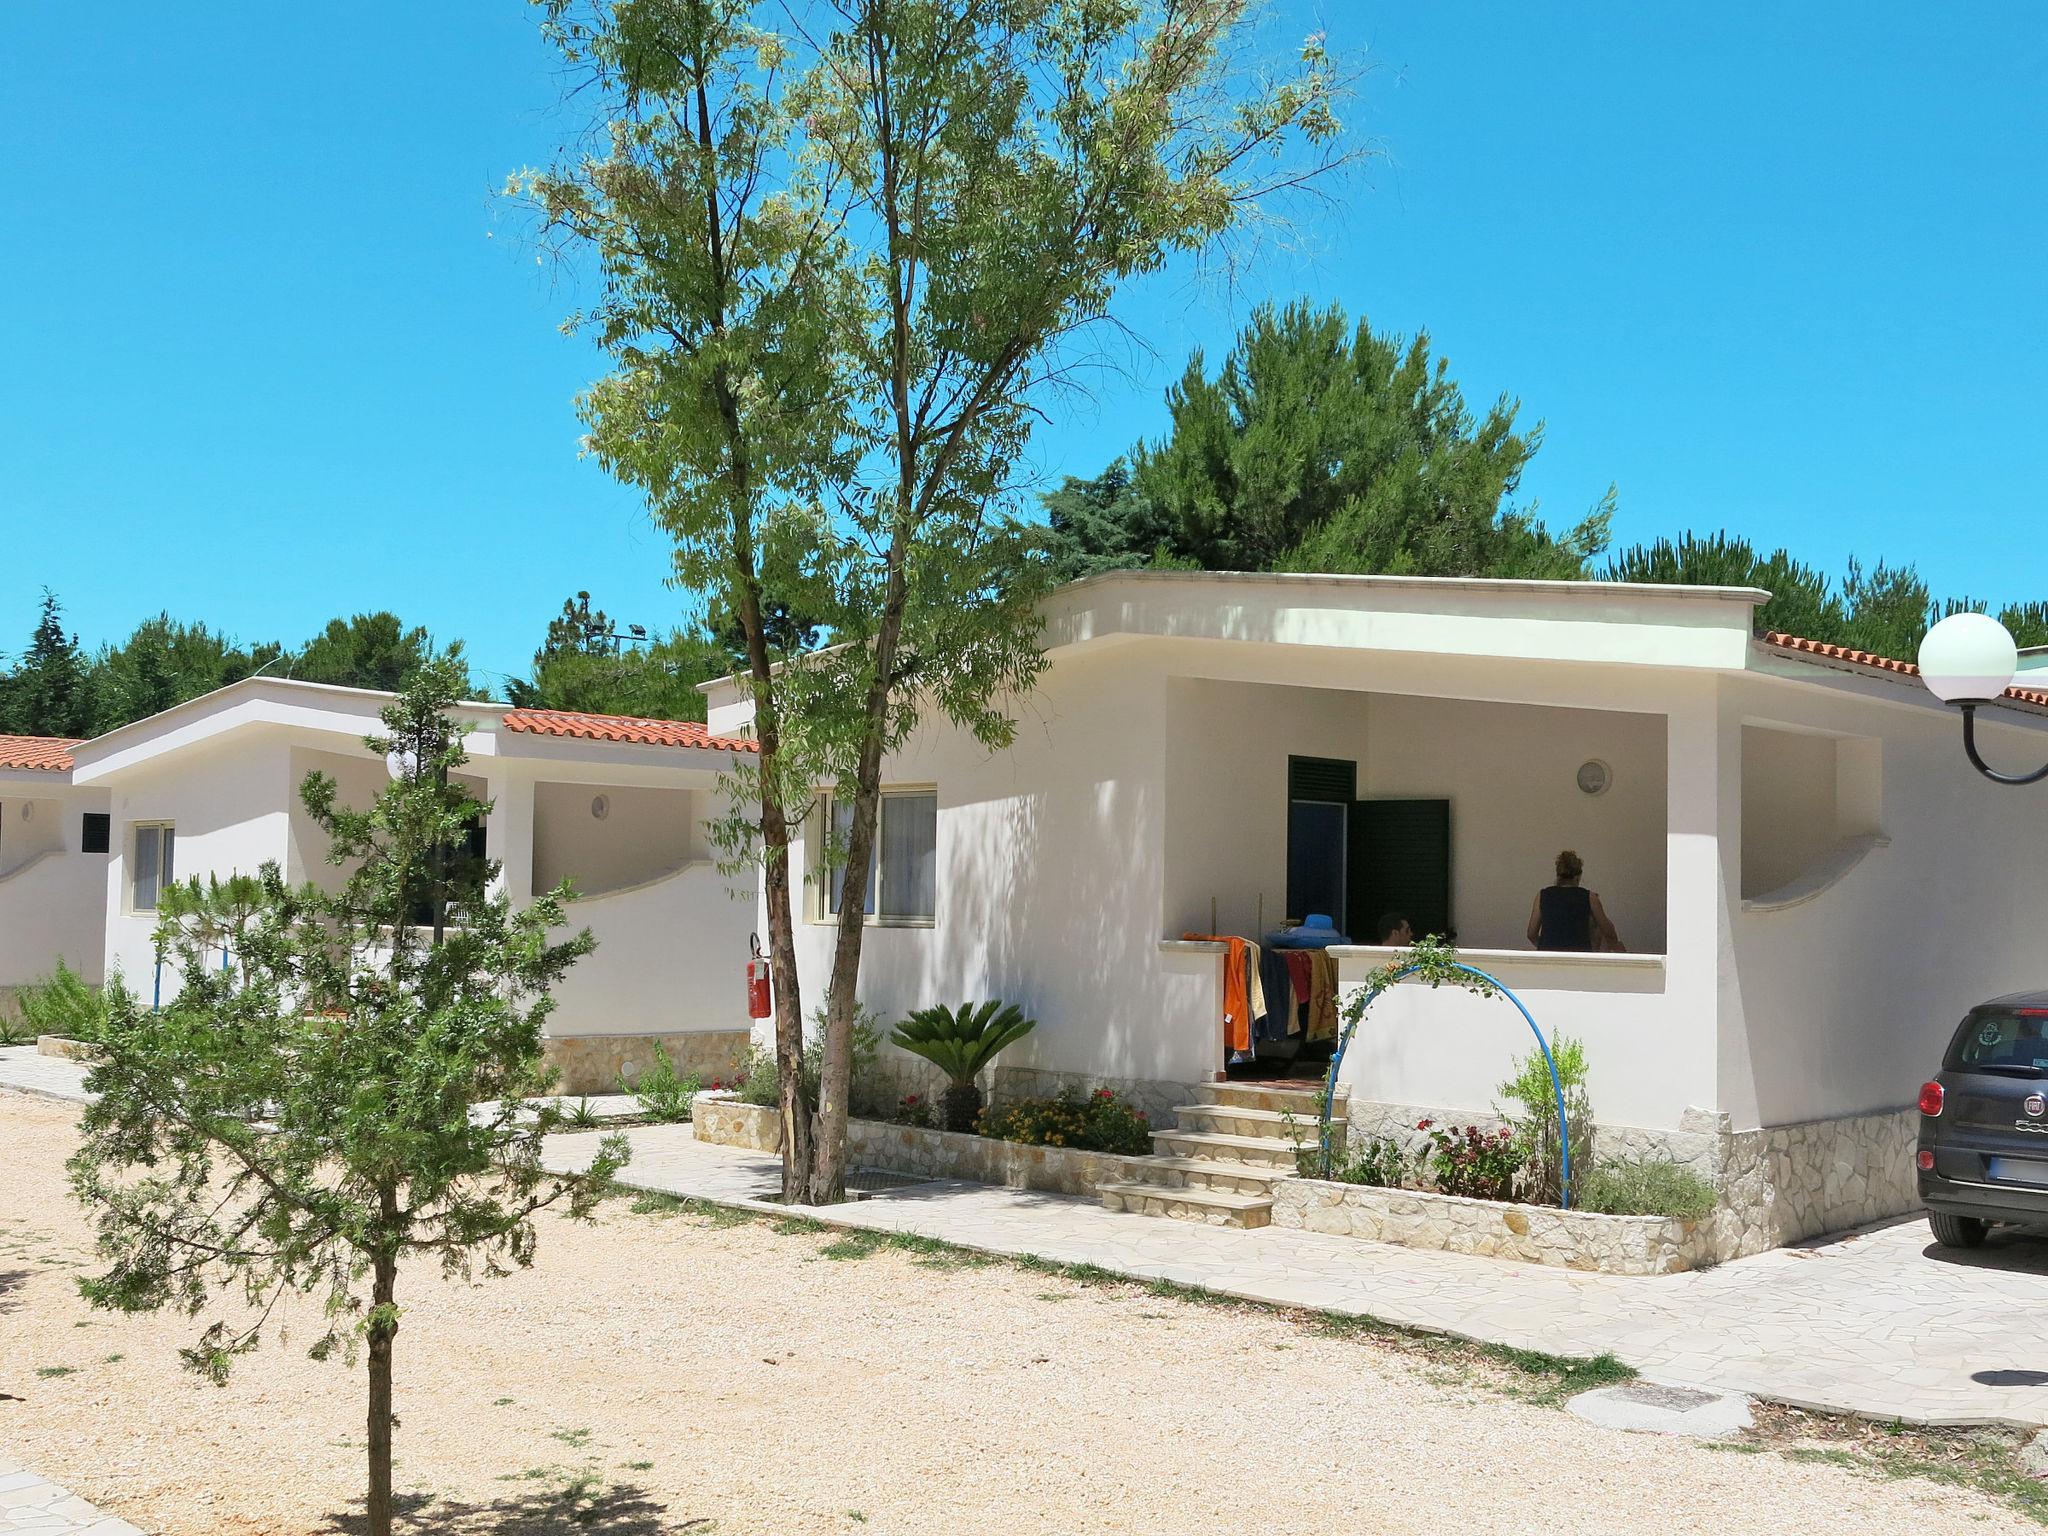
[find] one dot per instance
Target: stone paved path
(1880, 1324)
(24, 1069)
(29, 1503)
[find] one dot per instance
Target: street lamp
(1970, 659)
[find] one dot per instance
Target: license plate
(2016, 1170)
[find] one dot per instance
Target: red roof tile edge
(43, 754)
(623, 728)
(1878, 663)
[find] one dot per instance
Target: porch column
(1703, 879)
(508, 834)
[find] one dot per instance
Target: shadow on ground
(2022, 1251)
(618, 1509)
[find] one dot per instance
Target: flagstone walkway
(1881, 1324)
(29, 1503)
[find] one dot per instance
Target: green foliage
(757, 1080)
(581, 1116)
(1320, 446)
(1802, 599)
(1473, 1162)
(49, 692)
(62, 1004)
(830, 353)
(1535, 1126)
(913, 1109)
(308, 1118)
(1646, 1187)
(164, 663)
(962, 1042)
(585, 664)
(1381, 1161)
(1102, 1122)
(663, 1093)
(376, 650)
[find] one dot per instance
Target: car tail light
(1930, 1099)
(1926, 1161)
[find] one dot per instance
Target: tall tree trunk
(782, 976)
(383, 1326)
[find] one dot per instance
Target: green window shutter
(1326, 779)
(1400, 862)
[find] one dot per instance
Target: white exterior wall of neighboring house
(226, 773)
(51, 892)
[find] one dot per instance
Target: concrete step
(1210, 1207)
(1238, 1120)
(1213, 1146)
(1306, 1103)
(1211, 1173)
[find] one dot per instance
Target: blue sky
(270, 351)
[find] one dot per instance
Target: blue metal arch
(1564, 1135)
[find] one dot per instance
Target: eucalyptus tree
(337, 1094)
(848, 251)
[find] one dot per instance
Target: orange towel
(1237, 997)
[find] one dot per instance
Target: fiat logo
(2036, 1104)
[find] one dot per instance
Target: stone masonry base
(1777, 1185)
(598, 1063)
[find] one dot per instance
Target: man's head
(1393, 929)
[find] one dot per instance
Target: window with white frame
(903, 874)
(153, 866)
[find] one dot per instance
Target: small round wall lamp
(28, 811)
(1595, 777)
(601, 807)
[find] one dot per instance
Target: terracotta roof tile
(50, 754)
(1877, 663)
(627, 728)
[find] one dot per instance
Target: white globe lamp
(1968, 658)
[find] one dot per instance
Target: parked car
(1983, 1154)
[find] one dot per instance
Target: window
(902, 876)
(1319, 795)
(154, 866)
(96, 833)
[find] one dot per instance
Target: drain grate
(861, 1184)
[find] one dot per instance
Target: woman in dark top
(1568, 916)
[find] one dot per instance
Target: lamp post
(1970, 659)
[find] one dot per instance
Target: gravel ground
(655, 1374)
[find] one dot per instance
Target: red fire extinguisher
(758, 1006)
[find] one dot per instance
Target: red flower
(1423, 1125)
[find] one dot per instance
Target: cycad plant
(960, 1042)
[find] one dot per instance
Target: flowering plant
(1466, 1160)
(913, 1109)
(1102, 1122)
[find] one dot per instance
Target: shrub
(62, 1004)
(1479, 1164)
(1649, 1187)
(1381, 1161)
(913, 1109)
(756, 1079)
(961, 1042)
(664, 1093)
(1535, 1127)
(1102, 1122)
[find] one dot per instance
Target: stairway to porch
(1219, 1164)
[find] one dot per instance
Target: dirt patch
(670, 1371)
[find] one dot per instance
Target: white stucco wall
(230, 802)
(646, 832)
(1049, 882)
(1848, 997)
(1789, 818)
(52, 895)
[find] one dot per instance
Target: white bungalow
(1811, 882)
(620, 806)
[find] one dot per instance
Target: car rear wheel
(1956, 1231)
